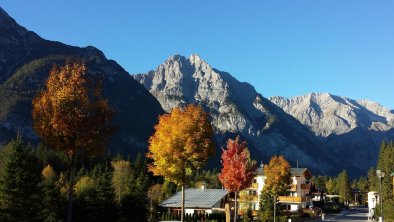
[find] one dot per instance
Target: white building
(298, 193)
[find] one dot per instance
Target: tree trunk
(183, 204)
(235, 207)
(274, 208)
(70, 190)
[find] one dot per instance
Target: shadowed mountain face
(25, 61)
(236, 108)
(351, 129)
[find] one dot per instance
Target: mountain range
(236, 109)
(324, 132)
(25, 61)
(347, 128)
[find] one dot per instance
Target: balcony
(289, 199)
(254, 186)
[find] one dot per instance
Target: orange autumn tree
(71, 116)
(238, 169)
(278, 178)
(181, 144)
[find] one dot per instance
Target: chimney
(203, 186)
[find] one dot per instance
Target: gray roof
(196, 198)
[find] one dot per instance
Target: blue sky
(285, 48)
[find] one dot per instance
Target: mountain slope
(353, 129)
(236, 108)
(25, 61)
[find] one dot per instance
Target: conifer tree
(386, 163)
(20, 184)
(372, 179)
(344, 189)
(53, 205)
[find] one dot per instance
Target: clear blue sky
(285, 48)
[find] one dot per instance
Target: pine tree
(20, 184)
(362, 184)
(372, 180)
(344, 189)
(386, 163)
(105, 206)
(53, 205)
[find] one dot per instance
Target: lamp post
(380, 174)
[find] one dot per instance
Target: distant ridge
(353, 129)
(25, 61)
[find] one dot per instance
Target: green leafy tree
(20, 180)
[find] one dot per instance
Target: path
(352, 215)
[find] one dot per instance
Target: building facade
(298, 194)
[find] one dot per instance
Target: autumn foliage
(238, 169)
(71, 114)
(278, 175)
(181, 144)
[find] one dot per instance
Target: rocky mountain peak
(327, 114)
(235, 107)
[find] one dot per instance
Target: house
(299, 192)
(200, 201)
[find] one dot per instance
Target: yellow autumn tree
(72, 116)
(48, 172)
(278, 178)
(181, 144)
(121, 177)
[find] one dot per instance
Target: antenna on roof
(297, 163)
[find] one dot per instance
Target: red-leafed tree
(238, 169)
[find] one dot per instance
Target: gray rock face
(352, 129)
(327, 114)
(236, 108)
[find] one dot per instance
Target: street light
(380, 174)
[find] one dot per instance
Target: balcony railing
(290, 199)
(254, 185)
